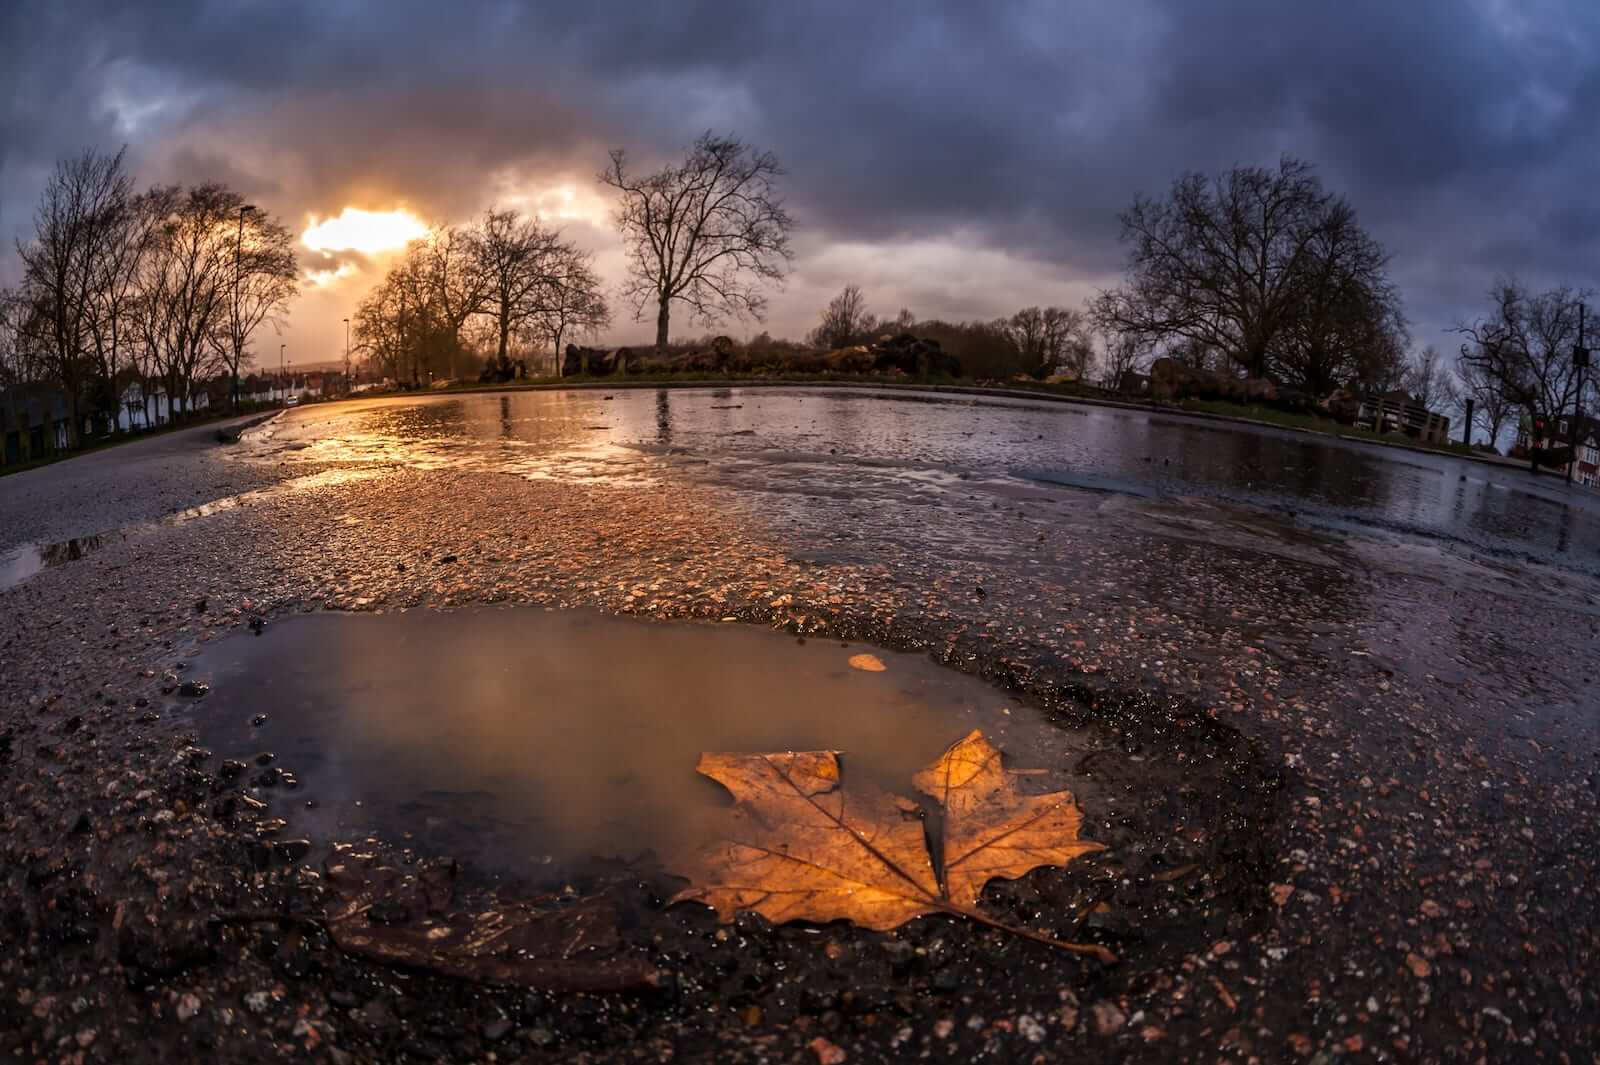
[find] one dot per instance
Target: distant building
(1583, 433)
(146, 405)
(33, 423)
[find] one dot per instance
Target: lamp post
(347, 356)
(1580, 361)
(283, 386)
(238, 340)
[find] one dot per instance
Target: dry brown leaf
(990, 828)
(801, 847)
(868, 663)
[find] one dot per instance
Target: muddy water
(525, 738)
(915, 448)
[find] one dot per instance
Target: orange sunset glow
(367, 232)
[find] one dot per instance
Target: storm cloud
(959, 159)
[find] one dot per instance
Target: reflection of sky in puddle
(522, 734)
(911, 447)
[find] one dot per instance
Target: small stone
(85, 1038)
(943, 1028)
(188, 1006)
(193, 689)
(1419, 966)
(257, 1001)
(1108, 1018)
(259, 720)
(1030, 1029)
(827, 1053)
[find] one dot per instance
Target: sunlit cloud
(368, 232)
(563, 202)
(323, 278)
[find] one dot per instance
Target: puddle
(518, 739)
(18, 565)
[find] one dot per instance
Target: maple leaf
(800, 847)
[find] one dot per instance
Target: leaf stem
(1092, 950)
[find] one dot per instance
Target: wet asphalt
(1348, 747)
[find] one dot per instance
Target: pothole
(519, 739)
(479, 787)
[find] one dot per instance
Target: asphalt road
(1345, 765)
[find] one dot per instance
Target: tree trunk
(662, 318)
(561, 369)
(74, 421)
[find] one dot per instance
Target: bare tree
(188, 282)
(707, 233)
(1524, 347)
(1429, 380)
(75, 229)
(116, 291)
(15, 368)
(574, 306)
(380, 329)
(447, 278)
(1492, 408)
(1120, 354)
(845, 320)
(1347, 325)
(1049, 339)
(265, 279)
(1238, 261)
(539, 286)
(516, 255)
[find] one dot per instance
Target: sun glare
(367, 232)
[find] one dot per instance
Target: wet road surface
(1338, 702)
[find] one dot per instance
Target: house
(146, 405)
(1581, 432)
(1398, 411)
(1587, 469)
(33, 422)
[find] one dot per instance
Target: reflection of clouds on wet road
(911, 448)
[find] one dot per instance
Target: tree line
(503, 284)
(164, 288)
(1254, 271)
(1257, 271)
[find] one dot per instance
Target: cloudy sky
(960, 159)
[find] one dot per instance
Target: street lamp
(347, 356)
(283, 386)
(1580, 362)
